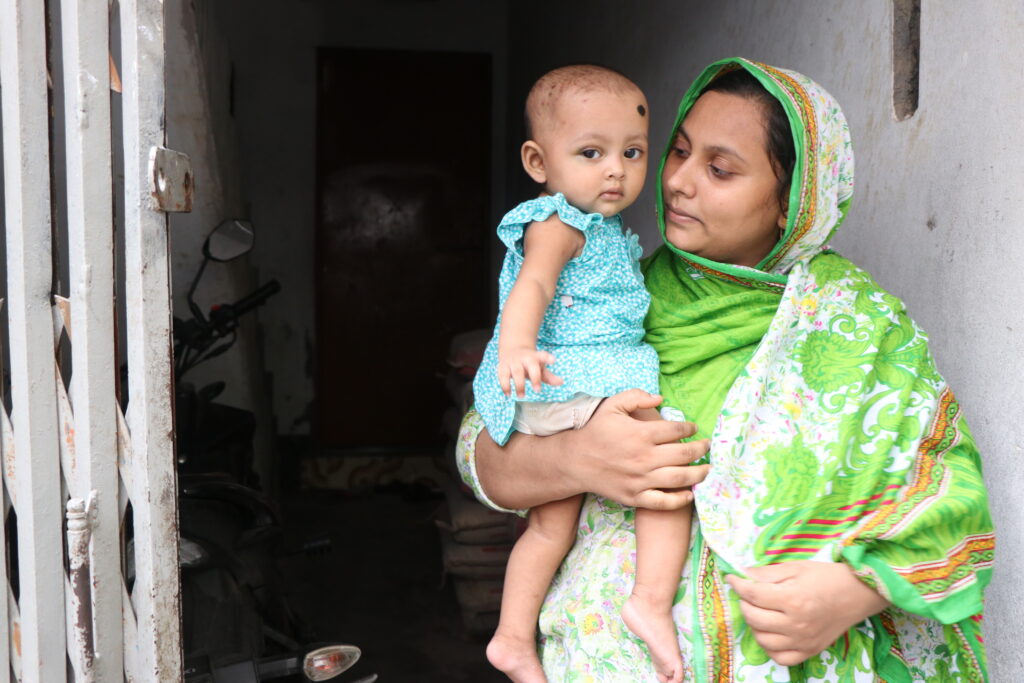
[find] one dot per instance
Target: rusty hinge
(170, 180)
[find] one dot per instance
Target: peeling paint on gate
(60, 444)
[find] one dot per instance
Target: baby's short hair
(550, 88)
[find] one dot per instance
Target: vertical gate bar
(6, 451)
(154, 498)
(34, 413)
(85, 30)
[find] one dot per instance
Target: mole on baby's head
(640, 108)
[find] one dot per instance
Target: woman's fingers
(667, 431)
(781, 637)
(676, 477)
(670, 487)
(630, 401)
(768, 621)
(789, 657)
(657, 499)
(812, 605)
(768, 591)
(756, 593)
(622, 457)
(775, 573)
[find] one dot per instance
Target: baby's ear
(533, 161)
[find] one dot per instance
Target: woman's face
(720, 188)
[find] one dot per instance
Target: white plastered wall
(938, 206)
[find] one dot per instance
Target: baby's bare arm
(547, 247)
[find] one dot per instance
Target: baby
(569, 334)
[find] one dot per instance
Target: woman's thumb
(631, 400)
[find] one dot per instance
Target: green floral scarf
(833, 436)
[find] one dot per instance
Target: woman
(837, 451)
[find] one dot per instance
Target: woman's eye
(681, 152)
(719, 172)
(591, 153)
(633, 153)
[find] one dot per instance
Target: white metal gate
(89, 553)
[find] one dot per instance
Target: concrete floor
(381, 586)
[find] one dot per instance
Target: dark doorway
(403, 187)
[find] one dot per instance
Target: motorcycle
(237, 625)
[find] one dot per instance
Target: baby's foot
(655, 627)
(516, 658)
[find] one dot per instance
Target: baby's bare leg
(662, 543)
(531, 566)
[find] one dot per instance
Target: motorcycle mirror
(229, 240)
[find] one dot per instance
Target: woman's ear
(533, 161)
(783, 219)
(783, 214)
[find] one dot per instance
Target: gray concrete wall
(272, 44)
(938, 205)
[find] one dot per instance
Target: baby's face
(595, 150)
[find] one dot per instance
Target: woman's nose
(677, 178)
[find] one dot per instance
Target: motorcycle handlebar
(257, 297)
(223, 318)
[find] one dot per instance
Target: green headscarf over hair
(833, 436)
(822, 186)
(707, 317)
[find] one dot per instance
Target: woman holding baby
(840, 528)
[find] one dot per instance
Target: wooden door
(403, 188)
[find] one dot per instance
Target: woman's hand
(625, 453)
(797, 609)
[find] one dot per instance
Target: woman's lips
(679, 217)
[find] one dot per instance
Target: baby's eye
(591, 153)
(633, 153)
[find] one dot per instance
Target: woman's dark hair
(781, 151)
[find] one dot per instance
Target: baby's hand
(520, 364)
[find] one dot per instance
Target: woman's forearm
(618, 454)
(527, 471)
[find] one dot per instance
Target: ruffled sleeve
(513, 225)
